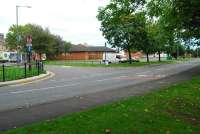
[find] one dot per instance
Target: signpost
(29, 49)
(106, 61)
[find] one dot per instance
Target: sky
(73, 20)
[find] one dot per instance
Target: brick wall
(80, 56)
(95, 55)
(135, 55)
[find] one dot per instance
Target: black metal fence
(10, 71)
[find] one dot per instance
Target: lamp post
(106, 61)
(17, 26)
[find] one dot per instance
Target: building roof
(83, 48)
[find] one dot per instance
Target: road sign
(29, 48)
(29, 45)
(29, 39)
(19, 38)
(29, 42)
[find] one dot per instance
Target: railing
(10, 71)
(61, 62)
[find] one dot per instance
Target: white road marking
(142, 75)
(66, 85)
(159, 69)
(83, 77)
(66, 66)
(52, 80)
(43, 89)
(105, 79)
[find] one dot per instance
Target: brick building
(135, 55)
(84, 52)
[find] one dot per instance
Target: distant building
(2, 42)
(85, 52)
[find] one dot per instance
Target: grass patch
(173, 110)
(99, 64)
(18, 72)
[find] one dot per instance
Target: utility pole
(17, 26)
(106, 62)
(18, 36)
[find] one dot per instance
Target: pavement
(73, 89)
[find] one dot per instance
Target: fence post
(25, 70)
(42, 68)
(3, 72)
(38, 67)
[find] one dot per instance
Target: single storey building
(84, 52)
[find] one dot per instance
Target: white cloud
(74, 20)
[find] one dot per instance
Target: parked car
(113, 57)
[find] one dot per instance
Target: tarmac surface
(73, 89)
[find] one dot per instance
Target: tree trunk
(148, 57)
(159, 56)
(65, 56)
(129, 54)
(176, 56)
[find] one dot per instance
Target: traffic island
(28, 80)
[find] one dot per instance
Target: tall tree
(43, 40)
(15, 34)
(177, 16)
(122, 24)
(66, 47)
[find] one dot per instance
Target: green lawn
(99, 64)
(17, 72)
(173, 110)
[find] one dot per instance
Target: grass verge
(173, 110)
(99, 64)
(18, 72)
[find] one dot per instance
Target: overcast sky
(73, 20)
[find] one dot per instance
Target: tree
(178, 16)
(66, 47)
(43, 40)
(56, 46)
(13, 34)
(188, 12)
(123, 24)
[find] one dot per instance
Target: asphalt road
(42, 98)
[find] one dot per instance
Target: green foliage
(123, 24)
(18, 72)
(66, 47)
(12, 35)
(43, 41)
(189, 13)
(177, 16)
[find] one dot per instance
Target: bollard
(42, 66)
